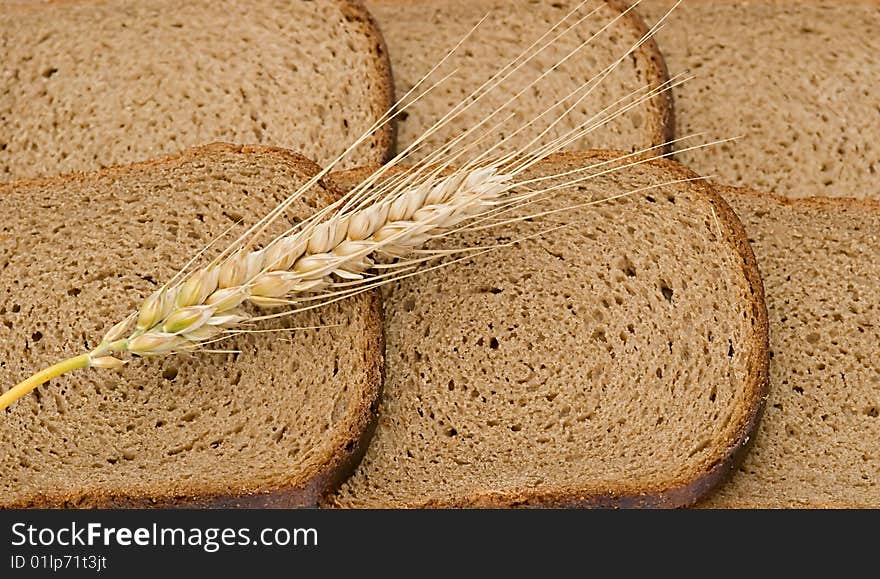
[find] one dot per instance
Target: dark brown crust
(664, 494)
(170, 160)
(759, 361)
(819, 203)
(664, 128)
(297, 493)
(665, 103)
(386, 136)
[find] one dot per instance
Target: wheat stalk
(329, 255)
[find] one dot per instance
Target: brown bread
(277, 425)
(87, 84)
(819, 442)
(420, 33)
(621, 361)
(794, 79)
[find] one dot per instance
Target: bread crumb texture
(86, 85)
(794, 81)
(78, 254)
(818, 444)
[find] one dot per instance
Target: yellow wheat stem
(42, 377)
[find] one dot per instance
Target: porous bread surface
(87, 84)
(274, 424)
(620, 361)
(818, 444)
(420, 33)
(794, 80)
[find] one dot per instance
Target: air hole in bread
(666, 291)
(233, 216)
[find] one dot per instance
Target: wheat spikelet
(330, 255)
(207, 302)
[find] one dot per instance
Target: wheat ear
(199, 309)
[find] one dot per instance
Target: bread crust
(302, 489)
(677, 493)
(819, 202)
(386, 136)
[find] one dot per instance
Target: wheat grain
(207, 302)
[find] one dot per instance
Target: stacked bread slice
(791, 79)
(819, 442)
(471, 40)
(86, 84)
(278, 421)
(617, 362)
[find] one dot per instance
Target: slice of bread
(621, 361)
(277, 425)
(87, 84)
(819, 442)
(420, 33)
(792, 78)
